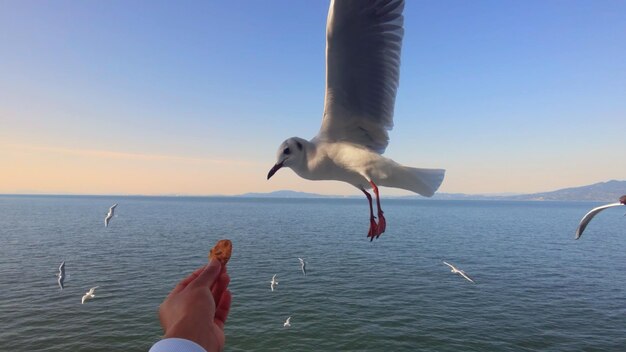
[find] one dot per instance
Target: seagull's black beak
(274, 169)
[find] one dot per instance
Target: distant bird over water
(109, 215)
(455, 270)
(89, 295)
(302, 266)
(593, 212)
(273, 283)
(287, 322)
(61, 275)
(363, 44)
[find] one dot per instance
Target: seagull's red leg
(382, 224)
(373, 227)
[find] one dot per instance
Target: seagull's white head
(291, 153)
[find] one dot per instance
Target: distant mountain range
(608, 191)
(602, 192)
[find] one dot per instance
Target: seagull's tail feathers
(424, 182)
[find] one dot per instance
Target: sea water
(537, 289)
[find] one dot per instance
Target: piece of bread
(221, 251)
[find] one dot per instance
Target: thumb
(208, 276)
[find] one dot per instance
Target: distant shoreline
(598, 192)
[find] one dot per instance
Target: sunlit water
(537, 289)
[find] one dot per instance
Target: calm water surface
(537, 289)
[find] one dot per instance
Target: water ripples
(536, 288)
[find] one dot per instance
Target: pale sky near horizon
(194, 97)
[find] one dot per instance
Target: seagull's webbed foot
(373, 232)
(382, 224)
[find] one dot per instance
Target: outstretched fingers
(208, 276)
(222, 309)
(220, 285)
(186, 281)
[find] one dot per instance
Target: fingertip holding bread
(221, 251)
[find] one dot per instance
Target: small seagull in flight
(89, 295)
(273, 283)
(457, 271)
(593, 212)
(109, 215)
(287, 322)
(302, 266)
(61, 274)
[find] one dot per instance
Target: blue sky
(194, 97)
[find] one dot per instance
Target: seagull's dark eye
(286, 151)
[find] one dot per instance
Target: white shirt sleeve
(176, 345)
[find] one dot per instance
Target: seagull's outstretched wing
(462, 273)
(587, 218)
(450, 265)
(363, 43)
(302, 265)
(61, 275)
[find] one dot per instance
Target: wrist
(191, 332)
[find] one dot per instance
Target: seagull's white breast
(346, 162)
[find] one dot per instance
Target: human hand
(197, 307)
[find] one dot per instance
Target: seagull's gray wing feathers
(363, 44)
